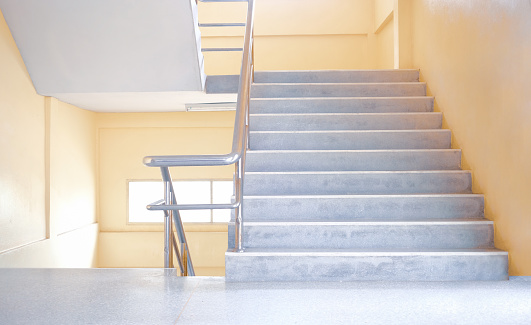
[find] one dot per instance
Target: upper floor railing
(240, 142)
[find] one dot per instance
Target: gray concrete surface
(295, 90)
(347, 76)
(157, 296)
(346, 104)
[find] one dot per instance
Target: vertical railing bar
(177, 252)
(169, 197)
(237, 212)
(168, 251)
(182, 236)
(185, 258)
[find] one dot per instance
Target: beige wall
(22, 171)
(47, 173)
(124, 139)
(302, 35)
(475, 56)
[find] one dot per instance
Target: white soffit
(110, 55)
(142, 102)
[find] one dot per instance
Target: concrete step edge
(359, 172)
(353, 131)
(350, 151)
(354, 196)
(356, 253)
(342, 98)
(338, 70)
(408, 223)
(338, 83)
(344, 114)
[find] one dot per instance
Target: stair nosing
(343, 114)
(369, 253)
(406, 223)
(254, 197)
(355, 131)
(340, 83)
(340, 70)
(336, 98)
(349, 150)
(363, 172)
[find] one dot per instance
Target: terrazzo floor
(157, 296)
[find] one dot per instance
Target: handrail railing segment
(236, 156)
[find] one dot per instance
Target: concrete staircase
(350, 177)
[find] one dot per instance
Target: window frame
(175, 183)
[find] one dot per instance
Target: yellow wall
(385, 45)
(47, 173)
(383, 11)
(302, 35)
(124, 139)
(384, 33)
(475, 56)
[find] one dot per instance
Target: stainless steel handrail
(221, 49)
(222, 25)
(236, 157)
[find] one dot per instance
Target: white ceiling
(112, 55)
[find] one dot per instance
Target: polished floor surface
(157, 296)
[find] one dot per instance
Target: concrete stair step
(345, 121)
(363, 207)
(392, 89)
(360, 182)
(358, 265)
(347, 104)
(426, 234)
(222, 84)
(350, 140)
(346, 76)
(352, 160)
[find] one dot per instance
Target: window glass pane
(193, 192)
(142, 194)
(222, 192)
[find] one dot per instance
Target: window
(142, 193)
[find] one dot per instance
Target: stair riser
(342, 236)
(353, 140)
(362, 208)
(338, 90)
(303, 122)
(336, 76)
(436, 267)
(359, 183)
(341, 105)
(270, 161)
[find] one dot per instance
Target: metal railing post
(238, 218)
(168, 217)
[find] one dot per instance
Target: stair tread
(348, 150)
(339, 70)
(366, 252)
(340, 83)
(378, 98)
(346, 196)
(355, 131)
(345, 114)
(358, 172)
(403, 222)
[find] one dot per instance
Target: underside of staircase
(350, 177)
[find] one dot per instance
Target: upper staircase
(349, 176)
